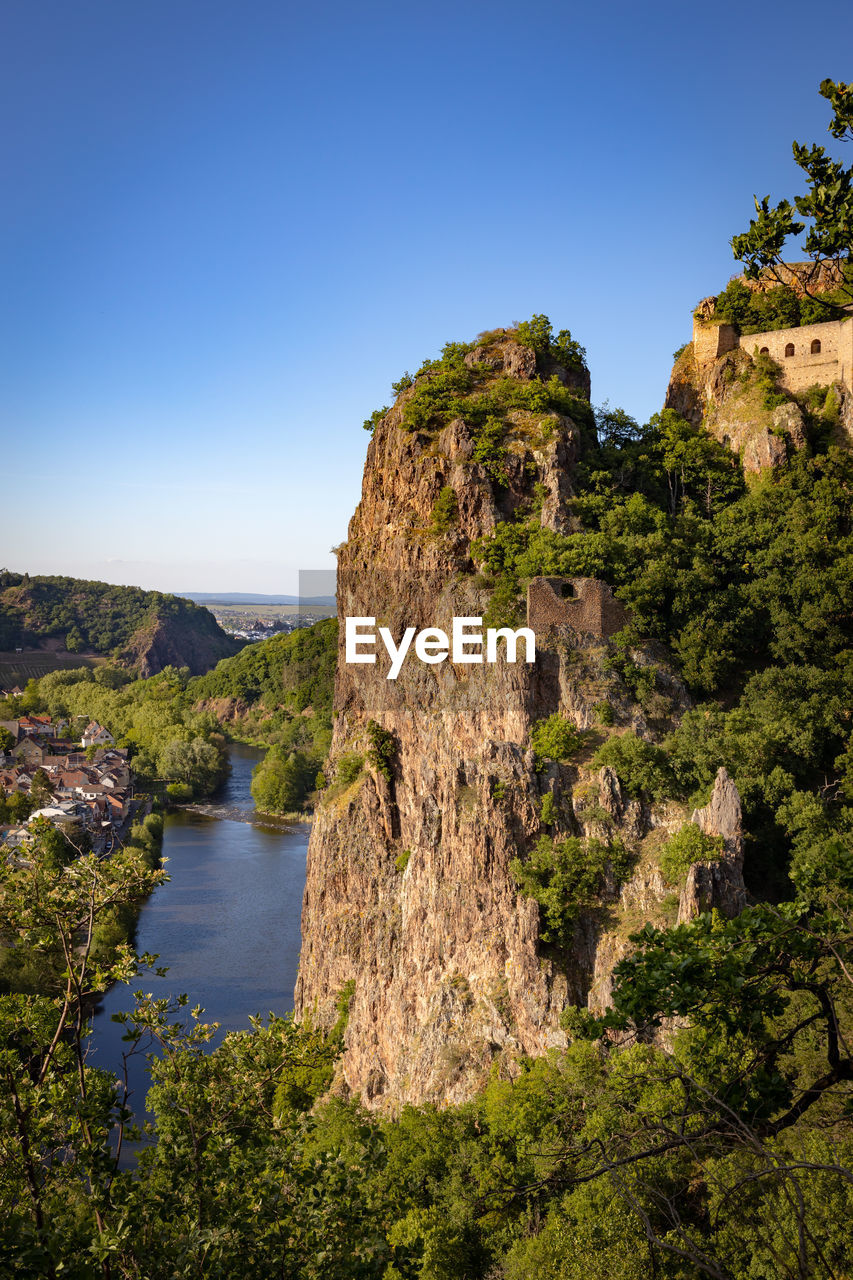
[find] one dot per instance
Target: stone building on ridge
(587, 605)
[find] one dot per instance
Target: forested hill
(145, 630)
(278, 693)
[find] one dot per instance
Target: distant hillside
(145, 630)
(248, 597)
(278, 693)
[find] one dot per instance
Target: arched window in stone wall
(815, 346)
(789, 348)
(764, 351)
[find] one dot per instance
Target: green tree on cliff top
(827, 204)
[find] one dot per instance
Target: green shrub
(538, 333)
(643, 768)
(282, 779)
(687, 846)
(831, 408)
(342, 1004)
(604, 713)
(548, 810)
(349, 767)
(438, 398)
(370, 424)
(490, 450)
(567, 877)
(555, 738)
(452, 357)
(382, 749)
(179, 791)
(505, 607)
(759, 311)
(767, 374)
(447, 388)
(445, 511)
(403, 860)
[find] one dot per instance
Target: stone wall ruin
(587, 605)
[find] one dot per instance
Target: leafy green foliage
(561, 347)
(490, 450)
(282, 779)
(95, 617)
(382, 749)
(370, 424)
(155, 719)
(448, 388)
(687, 846)
(281, 691)
(756, 311)
(642, 767)
(732, 1146)
(766, 375)
(445, 511)
(349, 766)
(827, 203)
(555, 738)
(567, 877)
(648, 501)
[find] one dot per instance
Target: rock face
(717, 884)
(409, 891)
(169, 642)
(720, 393)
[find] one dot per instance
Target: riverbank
(226, 925)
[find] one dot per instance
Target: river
(226, 923)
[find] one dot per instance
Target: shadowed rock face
(168, 642)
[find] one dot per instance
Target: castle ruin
(811, 354)
(586, 605)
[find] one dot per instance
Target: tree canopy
(826, 206)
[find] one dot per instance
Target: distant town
(252, 622)
(85, 788)
(256, 617)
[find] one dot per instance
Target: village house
(59, 815)
(95, 735)
(30, 750)
(94, 793)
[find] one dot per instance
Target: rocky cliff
(434, 788)
(179, 640)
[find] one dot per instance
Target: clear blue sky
(225, 228)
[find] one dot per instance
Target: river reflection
(226, 924)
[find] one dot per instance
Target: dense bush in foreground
(728, 1154)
